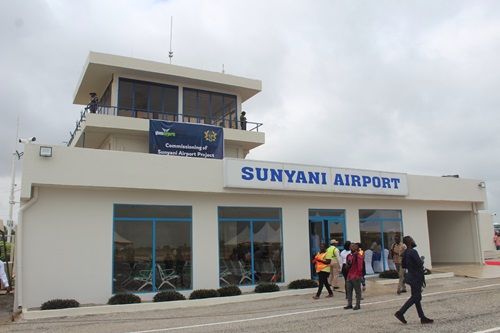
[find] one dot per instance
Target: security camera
(27, 140)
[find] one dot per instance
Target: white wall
(67, 237)
(453, 237)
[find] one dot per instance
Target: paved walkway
(472, 270)
(6, 303)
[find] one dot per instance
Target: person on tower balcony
(243, 120)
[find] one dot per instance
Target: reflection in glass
(235, 253)
(132, 265)
(267, 251)
(173, 255)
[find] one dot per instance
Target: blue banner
(185, 139)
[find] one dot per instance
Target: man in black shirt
(416, 279)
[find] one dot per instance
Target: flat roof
(100, 67)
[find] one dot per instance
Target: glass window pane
(106, 97)
(371, 241)
(230, 111)
(217, 110)
(155, 100)
(326, 212)
(147, 211)
(141, 96)
(336, 232)
(170, 101)
(234, 253)
(267, 246)
(249, 212)
(132, 259)
(204, 107)
(379, 214)
(125, 98)
(190, 104)
(173, 255)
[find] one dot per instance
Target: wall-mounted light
(482, 184)
(45, 151)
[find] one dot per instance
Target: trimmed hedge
(124, 299)
(267, 288)
(170, 295)
(203, 293)
(59, 304)
(229, 291)
(303, 284)
(392, 274)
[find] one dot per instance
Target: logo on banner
(165, 132)
(209, 136)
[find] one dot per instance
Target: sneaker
(316, 297)
(330, 295)
(336, 288)
(426, 320)
(357, 307)
(403, 291)
(400, 317)
(348, 307)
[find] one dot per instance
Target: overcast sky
(407, 86)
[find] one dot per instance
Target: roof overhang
(100, 67)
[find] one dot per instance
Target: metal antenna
(223, 71)
(171, 53)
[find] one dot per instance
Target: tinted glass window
(147, 211)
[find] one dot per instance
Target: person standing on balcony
(243, 120)
(94, 102)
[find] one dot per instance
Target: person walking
(416, 279)
(4, 281)
(396, 253)
(335, 264)
(496, 240)
(322, 262)
(345, 252)
(354, 267)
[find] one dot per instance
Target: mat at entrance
(492, 262)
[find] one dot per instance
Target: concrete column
(352, 225)
(295, 242)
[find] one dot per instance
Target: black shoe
(336, 288)
(403, 291)
(357, 307)
(400, 317)
(426, 320)
(348, 307)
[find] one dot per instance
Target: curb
(151, 306)
(427, 277)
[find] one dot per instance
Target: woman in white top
(343, 255)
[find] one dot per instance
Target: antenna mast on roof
(171, 53)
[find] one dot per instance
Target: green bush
(124, 299)
(229, 291)
(59, 304)
(4, 257)
(267, 288)
(303, 284)
(392, 274)
(170, 295)
(203, 293)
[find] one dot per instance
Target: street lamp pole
(12, 202)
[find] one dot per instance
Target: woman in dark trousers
(416, 279)
(322, 262)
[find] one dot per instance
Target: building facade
(107, 214)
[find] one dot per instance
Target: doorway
(324, 225)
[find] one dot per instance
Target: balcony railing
(228, 120)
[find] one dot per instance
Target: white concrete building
(104, 215)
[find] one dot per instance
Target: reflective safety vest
(331, 251)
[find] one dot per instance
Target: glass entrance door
(324, 225)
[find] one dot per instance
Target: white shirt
(3, 276)
(344, 254)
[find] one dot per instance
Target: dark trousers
(344, 274)
(353, 285)
(323, 281)
(416, 297)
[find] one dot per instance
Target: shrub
(59, 304)
(166, 296)
(229, 291)
(392, 274)
(267, 288)
(124, 299)
(5, 257)
(303, 284)
(203, 293)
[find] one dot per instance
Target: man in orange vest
(322, 262)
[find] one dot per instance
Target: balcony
(229, 120)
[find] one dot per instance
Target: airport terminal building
(154, 192)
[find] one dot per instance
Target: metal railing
(227, 120)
